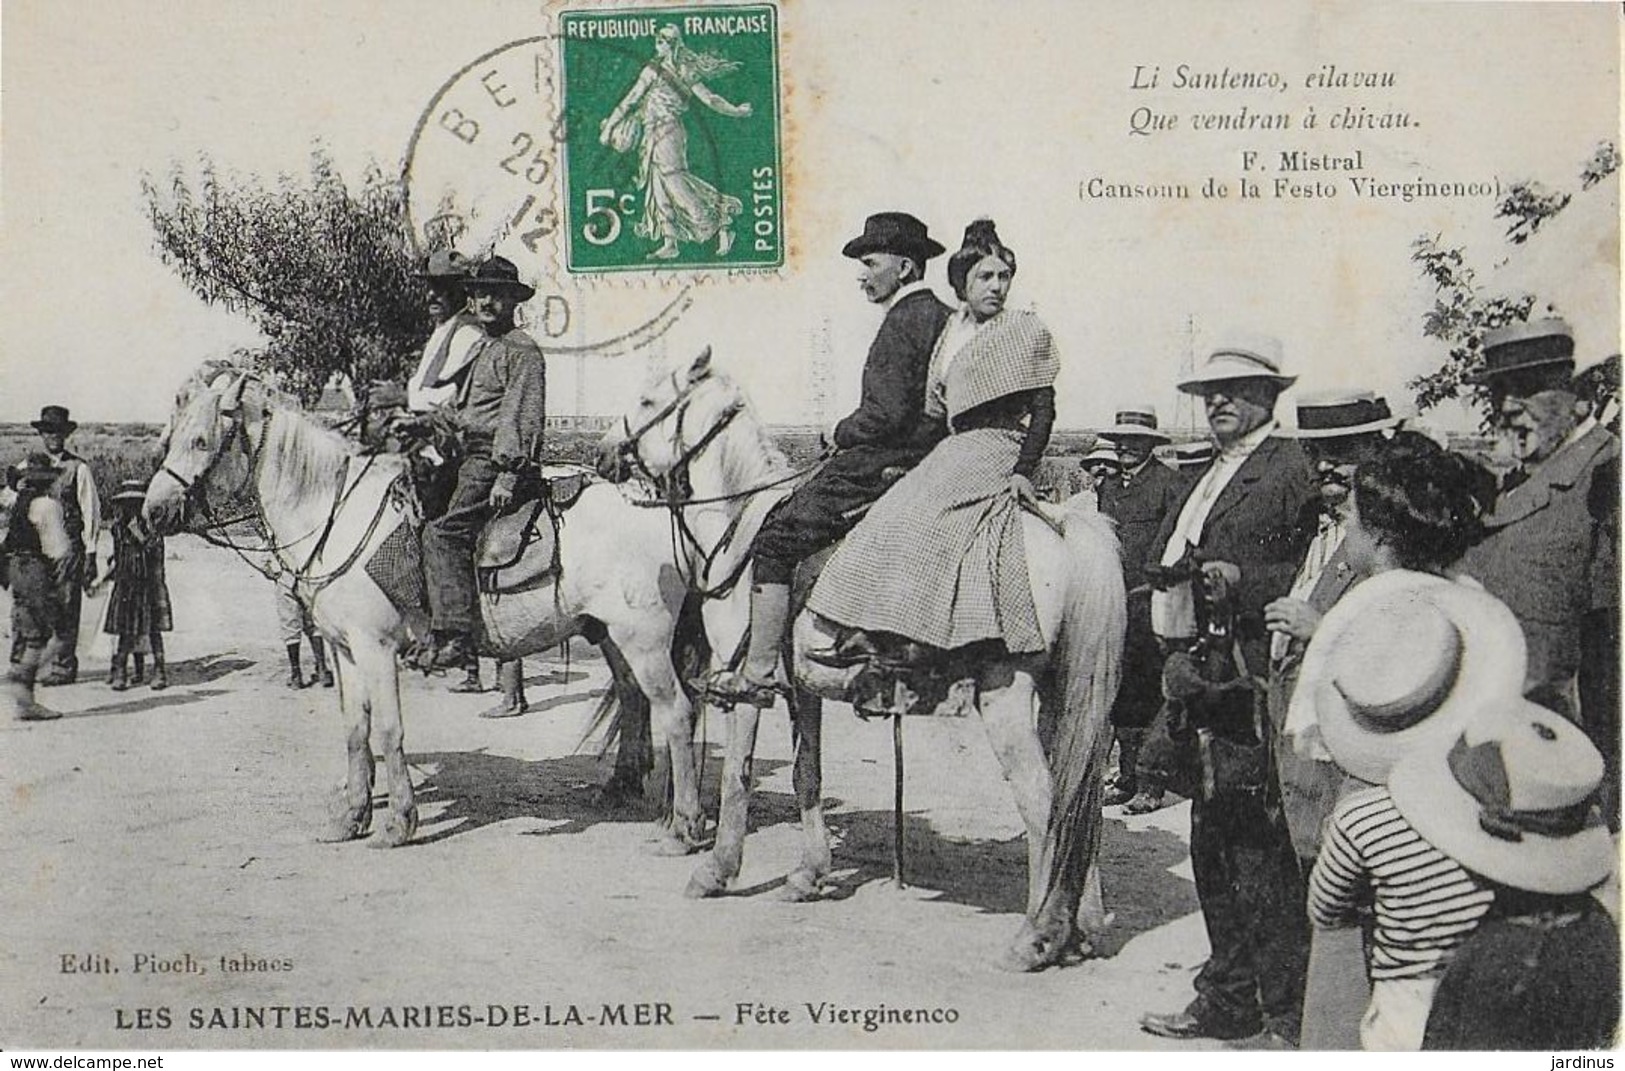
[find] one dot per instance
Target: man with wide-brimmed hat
(75, 490)
(1139, 497)
(501, 405)
(1243, 524)
(1547, 553)
(450, 347)
(886, 434)
(1339, 430)
(38, 555)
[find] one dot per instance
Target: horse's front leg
(1010, 717)
(375, 665)
(717, 869)
(807, 880)
(352, 811)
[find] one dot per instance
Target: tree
(1461, 313)
(325, 273)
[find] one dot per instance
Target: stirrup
(855, 648)
(729, 687)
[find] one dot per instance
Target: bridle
(676, 492)
(237, 432)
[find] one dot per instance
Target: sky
(950, 110)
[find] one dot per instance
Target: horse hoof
(341, 830)
(705, 883)
(1032, 951)
(802, 886)
(397, 830)
(669, 845)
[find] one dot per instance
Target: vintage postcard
(297, 755)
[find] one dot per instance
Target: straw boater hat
(1194, 454)
(893, 232)
(1135, 422)
(444, 264)
(499, 273)
(1515, 348)
(1337, 413)
(1241, 356)
(54, 418)
(131, 489)
(1402, 659)
(1511, 797)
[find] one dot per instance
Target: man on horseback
(501, 404)
(888, 431)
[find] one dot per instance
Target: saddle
(900, 677)
(519, 549)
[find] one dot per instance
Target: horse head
(680, 409)
(207, 456)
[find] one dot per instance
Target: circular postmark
(481, 173)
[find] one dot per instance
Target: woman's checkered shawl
(1011, 352)
(940, 557)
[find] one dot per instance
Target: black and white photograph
(833, 525)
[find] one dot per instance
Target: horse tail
(1088, 658)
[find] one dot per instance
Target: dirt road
(155, 841)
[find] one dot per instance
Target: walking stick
(897, 801)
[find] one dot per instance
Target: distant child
(138, 612)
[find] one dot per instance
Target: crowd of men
(1266, 523)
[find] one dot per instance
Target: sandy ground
(145, 828)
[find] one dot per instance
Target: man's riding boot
(296, 676)
(118, 675)
(471, 684)
(753, 682)
(18, 694)
(511, 683)
(319, 653)
(140, 669)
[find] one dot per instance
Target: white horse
(235, 443)
(692, 427)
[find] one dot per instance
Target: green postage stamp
(672, 143)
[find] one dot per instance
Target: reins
(686, 545)
(342, 491)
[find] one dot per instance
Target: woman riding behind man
(939, 560)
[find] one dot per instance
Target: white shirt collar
(903, 292)
(1244, 446)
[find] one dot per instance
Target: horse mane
(304, 455)
(749, 457)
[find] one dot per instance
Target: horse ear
(233, 400)
(700, 367)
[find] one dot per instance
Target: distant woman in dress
(138, 611)
(940, 558)
(677, 206)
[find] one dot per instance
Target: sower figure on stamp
(887, 431)
(1138, 497)
(1242, 528)
(678, 206)
(75, 491)
(38, 551)
(501, 405)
